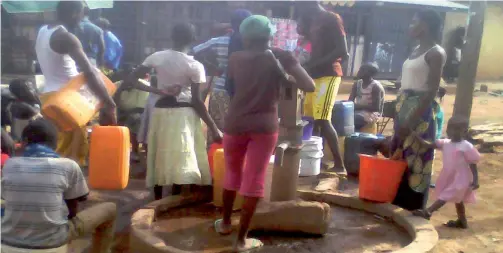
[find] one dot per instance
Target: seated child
(458, 179)
(26, 107)
(42, 191)
(368, 96)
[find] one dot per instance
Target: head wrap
(257, 26)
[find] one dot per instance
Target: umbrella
(21, 6)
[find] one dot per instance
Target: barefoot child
(458, 179)
(251, 126)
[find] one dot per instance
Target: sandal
(218, 225)
(456, 224)
(250, 244)
(422, 213)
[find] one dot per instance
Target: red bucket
(380, 178)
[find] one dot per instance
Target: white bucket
(310, 157)
(314, 143)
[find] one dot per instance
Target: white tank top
(57, 68)
(415, 73)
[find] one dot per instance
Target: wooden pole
(470, 59)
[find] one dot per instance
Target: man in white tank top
(59, 53)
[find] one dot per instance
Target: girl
(145, 116)
(459, 176)
(415, 109)
(251, 125)
(177, 147)
(26, 107)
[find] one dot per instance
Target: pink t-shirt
(454, 184)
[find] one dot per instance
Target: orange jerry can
(109, 157)
(75, 104)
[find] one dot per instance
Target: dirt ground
(350, 231)
(485, 217)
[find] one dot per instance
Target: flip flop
(250, 244)
(422, 213)
(218, 228)
(456, 224)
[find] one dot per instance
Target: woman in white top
(415, 110)
(177, 146)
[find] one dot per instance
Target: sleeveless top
(364, 95)
(57, 68)
(415, 73)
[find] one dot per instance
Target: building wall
(491, 53)
(452, 21)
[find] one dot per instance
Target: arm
(73, 205)
(67, 43)
(138, 73)
(200, 109)
(101, 51)
(352, 96)
(475, 173)
(302, 80)
(77, 190)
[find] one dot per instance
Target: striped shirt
(34, 190)
(221, 47)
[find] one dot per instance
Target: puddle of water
(191, 229)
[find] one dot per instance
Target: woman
(415, 107)
(251, 126)
(177, 147)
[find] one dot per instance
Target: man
(59, 53)
(214, 54)
(42, 192)
(113, 46)
(91, 37)
(325, 31)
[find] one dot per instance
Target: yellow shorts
(319, 104)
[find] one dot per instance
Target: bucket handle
(279, 153)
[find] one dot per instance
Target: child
(251, 125)
(142, 135)
(26, 107)
(177, 147)
(130, 106)
(368, 95)
(458, 179)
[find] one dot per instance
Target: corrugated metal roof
(442, 4)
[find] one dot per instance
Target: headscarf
(235, 43)
(257, 26)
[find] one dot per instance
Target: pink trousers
(247, 177)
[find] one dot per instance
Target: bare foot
(248, 245)
(340, 171)
(328, 184)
